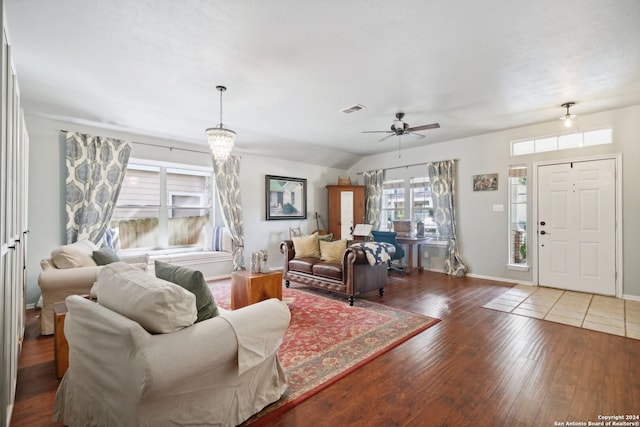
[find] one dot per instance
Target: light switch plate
(498, 208)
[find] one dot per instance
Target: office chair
(390, 237)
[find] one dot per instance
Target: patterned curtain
(228, 183)
(373, 197)
(443, 184)
(95, 170)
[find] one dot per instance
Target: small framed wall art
(485, 182)
(286, 198)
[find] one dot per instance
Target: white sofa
(217, 372)
(71, 270)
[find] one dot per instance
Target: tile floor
(595, 312)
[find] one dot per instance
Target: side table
(249, 288)
(60, 345)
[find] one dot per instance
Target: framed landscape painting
(286, 198)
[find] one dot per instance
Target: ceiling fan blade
(377, 131)
(415, 135)
(424, 127)
(387, 137)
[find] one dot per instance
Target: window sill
(168, 251)
(518, 267)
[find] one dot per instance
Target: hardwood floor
(37, 382)
(476, 367)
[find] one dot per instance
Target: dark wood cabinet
(346, 209)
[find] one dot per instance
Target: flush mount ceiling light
(568, 117)
(221, 140)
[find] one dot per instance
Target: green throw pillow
(325, 237)
(104, 256)
(193, 281)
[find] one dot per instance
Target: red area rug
(327, 339)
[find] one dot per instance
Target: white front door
(576, 226)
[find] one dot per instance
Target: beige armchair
(216, 372)
(71, 270)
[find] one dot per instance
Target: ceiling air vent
(352, 109)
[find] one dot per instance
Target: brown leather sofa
(351, 277)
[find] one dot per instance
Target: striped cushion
(217, 239)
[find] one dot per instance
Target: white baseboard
(521, 282)
(502, 279)
(495, 279)
(218, 277)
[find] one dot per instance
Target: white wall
(482, 233)
(263, 234)
(48, 173)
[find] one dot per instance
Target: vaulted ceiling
(290, 66)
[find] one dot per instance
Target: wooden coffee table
(60, 344)
(249, 288)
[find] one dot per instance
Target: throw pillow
(325, 237)
(306, 246)
(104, 256)
(332, 251)
(193, 281)
(78, 254)
(157, 305)
(111, 238)
(216, 239)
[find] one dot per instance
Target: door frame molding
(618, 214)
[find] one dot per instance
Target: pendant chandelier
(221, 140)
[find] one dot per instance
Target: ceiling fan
(400, 128)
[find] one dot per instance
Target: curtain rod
(170, 148)
(404, 166)
(161, 146)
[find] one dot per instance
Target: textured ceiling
(151, 67)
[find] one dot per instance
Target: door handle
(543, 232)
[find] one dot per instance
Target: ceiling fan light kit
(567, 118)
(398, 127)
(221, 140)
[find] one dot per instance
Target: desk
(249, 288)
(411, 241)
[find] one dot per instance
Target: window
(163, 206)
(562, 142)
(396, 196)
(518, 215)
(421, 204)
(392, 203)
